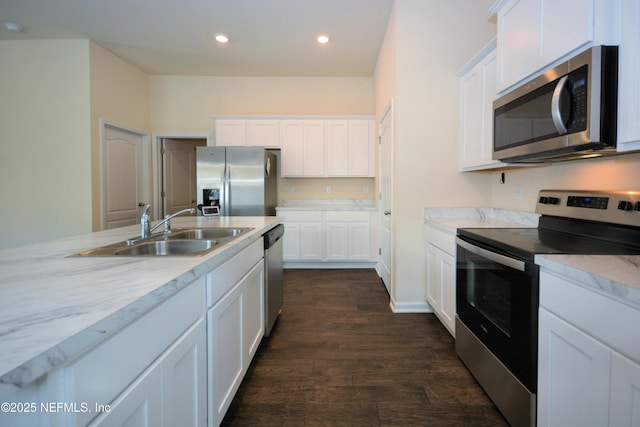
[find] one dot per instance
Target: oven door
(497, 299)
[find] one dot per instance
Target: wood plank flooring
(338, 356)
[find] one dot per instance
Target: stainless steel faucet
(145, 224)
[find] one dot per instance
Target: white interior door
(179, 173)
(385, 265)
(122, 177)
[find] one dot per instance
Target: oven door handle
(492, 256)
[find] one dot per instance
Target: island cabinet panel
(588, 357)
(101, 376)
(235, 325)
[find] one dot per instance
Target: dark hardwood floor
(338, 356)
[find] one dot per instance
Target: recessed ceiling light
(11, 26)
(221, 38)
(322, 39)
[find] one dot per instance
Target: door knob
(141, 204)
(387, 213)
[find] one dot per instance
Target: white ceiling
(175, 37)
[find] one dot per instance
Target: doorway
(385, 262)
(178, 173)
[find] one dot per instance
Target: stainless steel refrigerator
(241, 181)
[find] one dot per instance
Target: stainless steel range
(497, 286)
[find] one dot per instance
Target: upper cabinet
(628, 82)
(533, 34)
(477, 93)
(310, 146)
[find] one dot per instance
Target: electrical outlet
(328, 189)
(518, 192)
(365, 189)
(291, 189)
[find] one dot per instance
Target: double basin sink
(180, 241)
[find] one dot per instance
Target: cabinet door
(337, 143)
(573, 375)
(359, 234)
(291, 243)
(625, 392)
(225, 349)
(628, 83)
(518, 40)
(263, 133)
(361, 154)
(337, 241)
(231, 132)
(560, 35)
(291, 138)
(184, 390)
(433, 291)
(311, 241)
(140, 405)
(253, 311)
(441, 286)
(313, 147)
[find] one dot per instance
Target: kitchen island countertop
(54, 308)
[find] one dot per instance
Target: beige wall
(425, 44)
(188, 104)
(119, 96)
(45, 157)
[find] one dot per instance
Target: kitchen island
(55, 308)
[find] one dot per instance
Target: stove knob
(544, 200)
(554, 200)
(637, 207)
(625, 205)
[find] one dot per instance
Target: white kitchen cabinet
(170, 392)
(241, 132)
(347, 236)
(235, 325)
(533, 34)
(231, 132)
(328, 238)
(441, 276)
(628, 82)
(303, 149)
(477, 93)
(263, 133)
(588, 357)
(350, 146)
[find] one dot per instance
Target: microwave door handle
(491, 256)
(556, 114)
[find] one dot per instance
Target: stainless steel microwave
(568, 112)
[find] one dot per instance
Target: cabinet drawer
(106, 371)
(347, 216)
(441, 239)
(301, 216)
(222, 279)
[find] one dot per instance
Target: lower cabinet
(331, 237)
(588, 358)
(235, 325)
(440, 276)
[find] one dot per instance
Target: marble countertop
(617, 276)
(328, 204)
(450, 219)
(53, 308)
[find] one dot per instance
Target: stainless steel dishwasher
(273, 276)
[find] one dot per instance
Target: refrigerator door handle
(226, 182)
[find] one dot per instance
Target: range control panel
(619, 207)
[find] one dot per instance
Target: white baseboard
(319, 265)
